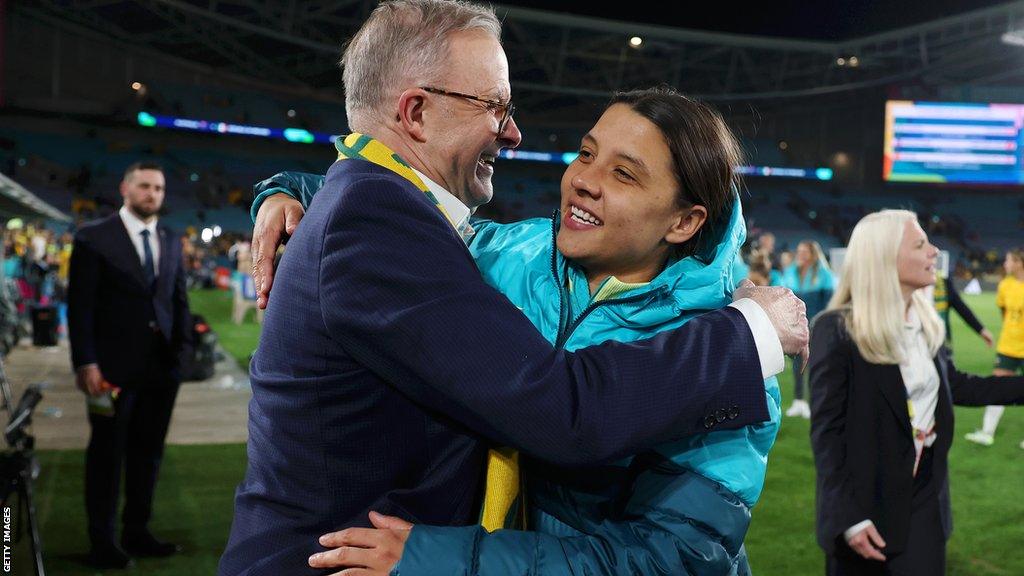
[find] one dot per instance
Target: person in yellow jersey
(1010, 350)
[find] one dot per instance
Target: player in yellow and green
(946, 299)
(1010, 350)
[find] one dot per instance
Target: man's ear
(410, 114)
(690, 222)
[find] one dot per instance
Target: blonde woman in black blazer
(882, 395)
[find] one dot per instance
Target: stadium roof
(578, 56)
(17, 202)
(822, 20)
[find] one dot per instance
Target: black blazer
(134, 332)
(861, 434)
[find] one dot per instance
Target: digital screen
(953, 142)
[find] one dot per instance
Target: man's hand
(868, 543)
(364, 551)
(90, 380)
(787, 313)
(278, 216)
(987, 337)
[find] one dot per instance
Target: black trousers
(925, 553)
(133, 435)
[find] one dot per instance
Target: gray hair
(403, 40)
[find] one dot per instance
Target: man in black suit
(129, 324)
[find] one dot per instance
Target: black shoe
(144, 544)
(110, 556)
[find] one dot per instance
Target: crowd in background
(36, 266)
(37, 259)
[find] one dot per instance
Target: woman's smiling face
(620, 209)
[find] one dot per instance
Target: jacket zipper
(564, 335)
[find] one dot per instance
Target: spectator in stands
(785, 259)
(62, 270)
(37, 265)
(811, 279)
(883, 389)
(242, 284)
(129, 324)
(241, 244)
(1010, 351)
(766, 245)
(12, 259)
(760, 272)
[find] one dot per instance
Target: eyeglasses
(507, 108)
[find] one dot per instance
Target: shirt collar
(134, 224)
(458, 211)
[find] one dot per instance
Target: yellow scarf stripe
(502, 488)
(363, 147)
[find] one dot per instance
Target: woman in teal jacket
(649, 227)
(810, 278)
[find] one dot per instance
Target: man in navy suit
(386, 365)
(129, 323)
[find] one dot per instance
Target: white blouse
(921, 380)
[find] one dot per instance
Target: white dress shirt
(766, 339)
(456, 210)
(769, 348)
(921, 379)
(135, 226)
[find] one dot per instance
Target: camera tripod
(18, 471)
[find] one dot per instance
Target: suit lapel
(890, 381)
(125, 256)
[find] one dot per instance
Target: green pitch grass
(238, 340)
(194, 497)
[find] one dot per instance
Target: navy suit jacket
(114, 318)
(386, 364)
